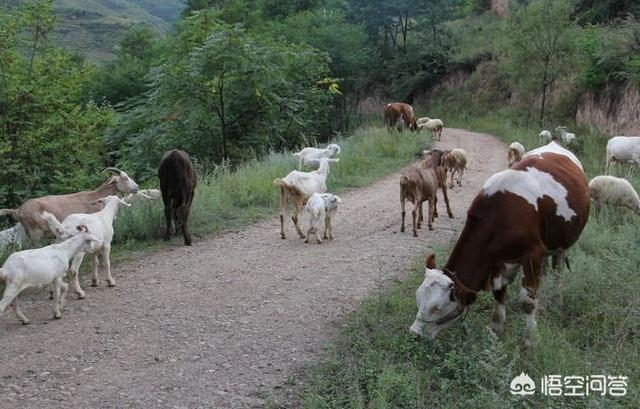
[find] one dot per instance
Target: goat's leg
(446, 201)
(56, 298)
(453, 171)
(296, 211)
(283, 210)
(16, 310)
(432, 209)
(460, 173)
(63, 293)
(10, 294)
(402, 206)
(184, 213)
(420, 217)
(309, 232)
(330, 228)
(327, 227)
(317, 232)
(73, 273)
(106, 253)
(435, 205)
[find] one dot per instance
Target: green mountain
(94, 27)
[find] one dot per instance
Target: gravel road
(219, 324)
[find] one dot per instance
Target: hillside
(94, 27)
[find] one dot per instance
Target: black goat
(177, 184)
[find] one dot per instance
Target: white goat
(13, 236)
(615, 191)
(434, 125)
(312, 156)
(100, 224)
(566, 137)
(300, 186)
(455, 162)
(321, 206)
(544, 137)
(42, 267)
(514, 153)
(622, 149)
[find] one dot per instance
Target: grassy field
(227, 199)
(377, 363)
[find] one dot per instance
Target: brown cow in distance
(398, 110)
(178, 184)
(521, 217)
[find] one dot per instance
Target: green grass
(376, 362)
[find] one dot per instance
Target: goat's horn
(112, 169)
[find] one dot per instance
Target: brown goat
(178, 184)
(29, 214)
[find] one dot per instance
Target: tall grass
(376, 363)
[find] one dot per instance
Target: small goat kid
(100, 224)
(321, 206)
(312, 156)
(300, 186)
(42, 267)
(514, 153)
(455, 162)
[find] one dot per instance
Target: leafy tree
(539, 45)
(49, 141)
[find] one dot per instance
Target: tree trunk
(223, 123)
(544, 92)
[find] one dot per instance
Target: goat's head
(124, 184)
(334, 150)
(90, 243)
(114, 199)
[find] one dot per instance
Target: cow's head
(442, 300)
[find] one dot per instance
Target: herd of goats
(82, 223)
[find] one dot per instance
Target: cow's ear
(463, 294)
(430, 261)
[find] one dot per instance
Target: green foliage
(50, 142)
(225, 93)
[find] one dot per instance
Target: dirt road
(220, 323)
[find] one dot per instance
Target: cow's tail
(566, 261)
(9, 212)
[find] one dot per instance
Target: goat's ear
(430, 261)
(82, 228)
(338, 200)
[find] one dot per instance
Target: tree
(50, 142)
(539, 44)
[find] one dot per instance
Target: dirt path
(220, 323)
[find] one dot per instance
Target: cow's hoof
(188, 242)
(451, 215)
(402, 229)
(415, 234)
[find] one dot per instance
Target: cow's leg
(16, 310)
(10, 294)
(106, 253)
(168, 215)
(533, 271)
(446, 200)
(499, 315)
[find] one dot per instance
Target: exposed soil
(221, 323)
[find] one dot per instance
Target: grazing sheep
(514, 153)
(433, 125)
(61, 206)
(455, 162)
(42, 267)
(615, 191)
(178, 181)
(312, 156)
(13, 236)
(300, 186)
(621, 149)
(544, 137)
(566, 137)
(321, 206)
(99, 224)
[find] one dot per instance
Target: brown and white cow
(520, 217)
(397, 113)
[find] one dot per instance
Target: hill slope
(94, 27)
